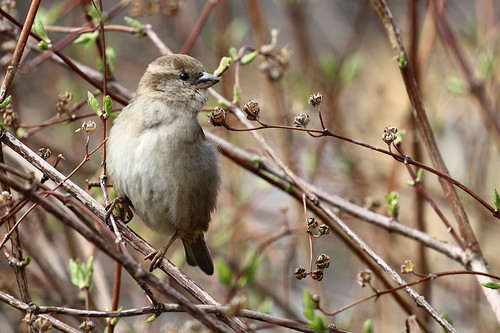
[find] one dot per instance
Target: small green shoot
(491, 285)
(80, 274)
(108, 106)
(87, 39)
(496, 199)
(224, 65)
(93, 103)
(6, 102)
(315, 321)
(24, 263)
(151, 319)
(224, 272)
(392, 202)
(368, 326)
(236, 94)
(248, 58)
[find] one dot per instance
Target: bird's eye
(184, 76)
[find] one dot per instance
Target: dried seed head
(62, 102)
(324, 229)
(312, 223)
(5, 196)
(87, 326)
(40, 324)
(9, 115)
(323, 261)
(65, 97)
(252, 109)
(217, 117)
(301, 120)
(317, 274)
(44, 153)
(364, 277)
(300, 273)
(389, 134)
(407, 267)
(315, 99)
(88, 127)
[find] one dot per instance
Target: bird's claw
(157, 257)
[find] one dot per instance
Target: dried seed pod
(324, 229)
(389, 134)
(301, 120)
(317, 274)
(217, 117)
(407, 267)
(300, 273)
(252, 109)
(315, 99)
(44, 153)
(323, 261)
(364, 277)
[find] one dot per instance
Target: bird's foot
(156, 256)
(159, 254)
(124, 211)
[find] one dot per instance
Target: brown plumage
(158, 157)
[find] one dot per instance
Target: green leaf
(496, 197)
(108, 106)
(39, 29)
(151, 319)
(491, 285)
(308, 304)
(6, 102)
(133, 23)
(49, 15)
(233, 52)
(318, 325)
(224, 64)
(113, 321)
(87, 38)
(420, 175)
(25, 262)
(93, 103)
(485, 65)
(456, 85)
(93, 11)
(21, 133)
(236, 94)
(448, 319)
(330, 66)
(224, 272)
(111, 58)
(351, 68)
(251, 271)
(266, 305)
(392, 202)
(402, 60)
(368, 326)
(44, 46)
(81, 274)
(249, 57)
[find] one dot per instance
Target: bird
(159, 160)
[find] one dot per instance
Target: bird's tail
(197, 254)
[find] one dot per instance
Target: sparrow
(159, 160)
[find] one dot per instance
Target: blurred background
(335, 47)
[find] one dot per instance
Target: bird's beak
(206, 81)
